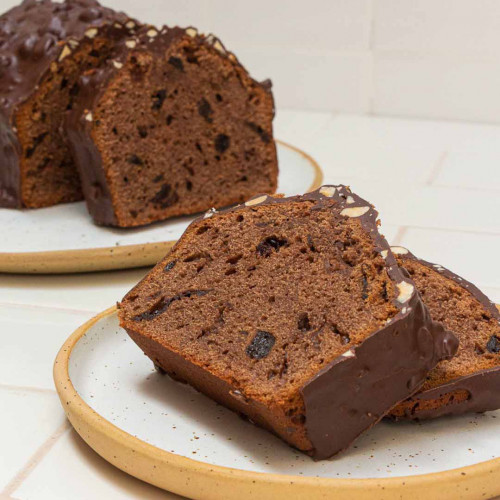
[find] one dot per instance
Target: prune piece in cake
(470, 382)
(175, 105)
(38, 83)
(315, 336)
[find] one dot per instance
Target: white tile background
(436, 183)
(413, 58)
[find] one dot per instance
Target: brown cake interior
(48, 173)
(183, 131)
(263, 299)
(457, 309)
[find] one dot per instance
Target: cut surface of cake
(291, 311)
(38, 83)
(170, 124)
(469, 382)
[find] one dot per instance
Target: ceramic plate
(167, 434)
(63, 239)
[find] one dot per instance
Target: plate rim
(197, 479)
(110, 258)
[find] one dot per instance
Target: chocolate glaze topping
(125, 42)
(33, 36)
(483, 387)
(356, 389)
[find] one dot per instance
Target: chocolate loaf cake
(470, 382)
(293, 312)
(170, 124)
(38, 82)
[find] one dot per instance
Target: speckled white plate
(166, 433)
(63, 238)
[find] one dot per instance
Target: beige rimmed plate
(63, 239)
(167, 434)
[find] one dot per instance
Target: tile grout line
(35, 459)
(452, 230)
(53, 308)
(399, 236)
(371, 44)
(27, 388)
(437, 168)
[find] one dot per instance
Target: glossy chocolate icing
(32, 38)
(125, 42)
(483, 387)
(360, 386)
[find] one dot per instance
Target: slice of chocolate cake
(470, 382)
(171, 124)
(293, 312)
(38, 81)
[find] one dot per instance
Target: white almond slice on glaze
(131, 44)
(405, 291)
(349, 200)
(89, 117)
(130, 25)
(117, 64)
(66, 51)
(384, 254)
(256, 201)
(348, 354)
(327, 191)
(354, 211)
(399, 250)
(91, 33)
(192, 32)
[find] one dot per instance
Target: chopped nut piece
(328, 191)
(405, 291)
(256, 201)
(354, 211)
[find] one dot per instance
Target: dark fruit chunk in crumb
(158, 98)
(165, 197)
(163, 304)
(176, 63)
(493, 344)
(265, 248)
(36, 142)
(260, 131)
(205, 110)
(134, 160)
(170, 265)
(261, 345)
(304, 324)
(221, 143)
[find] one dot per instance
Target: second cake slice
(293, 312)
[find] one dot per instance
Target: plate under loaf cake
(291, 311)
(38, 82)
(470, 382)
(171, 124)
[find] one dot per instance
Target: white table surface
(435, 184)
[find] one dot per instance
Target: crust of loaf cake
(81, 123)
(35, 49)
(477, 392)
(355, 390)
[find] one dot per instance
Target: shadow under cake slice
(171, 124)
(38, 83)
(291, 311)
(469, 382)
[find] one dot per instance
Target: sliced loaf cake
(293, 312)
(170, 124)
(470, 382)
